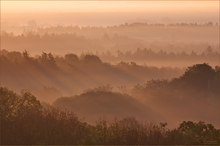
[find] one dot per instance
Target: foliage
(198, 81)
(25, 121)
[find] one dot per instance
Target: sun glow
(107, 6)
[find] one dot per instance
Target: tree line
(148, 55)
(70, 74)
(24, 120)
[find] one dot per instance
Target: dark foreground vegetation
(24, 120)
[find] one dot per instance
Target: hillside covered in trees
(109, 72)
(49, 76)
(115, 91)
(95, 89)
(193, 96)
(24, 120)
(159, 44)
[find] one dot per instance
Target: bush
(25, 121)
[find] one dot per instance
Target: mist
(110, 72)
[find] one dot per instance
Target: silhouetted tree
(91, 59)
(199, 76)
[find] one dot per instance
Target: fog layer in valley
(94, 89)
(97, 60)
(71, 74)
(176, 45)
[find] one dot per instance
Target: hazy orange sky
(107, 12)
(108, 6)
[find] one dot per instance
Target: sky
(109, 6)
(105, 12)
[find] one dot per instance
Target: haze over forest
(73, 63)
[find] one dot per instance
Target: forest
(49, 75)
(122, 103)
(109, 72)
(24, 121)
(139, 42)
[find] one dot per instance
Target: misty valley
(85, 92)
(109, 72)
